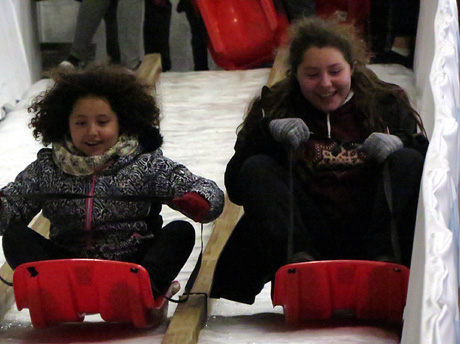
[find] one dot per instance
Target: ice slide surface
(432, 314)
(201, 111)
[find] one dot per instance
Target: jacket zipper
(89, 212)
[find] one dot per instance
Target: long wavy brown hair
(369, 90)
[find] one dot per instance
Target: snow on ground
(201, 111)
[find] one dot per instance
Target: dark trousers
(163, 257)
(199, 35)
(111, 33)
(157, 25)
(297, 9)
(392, 18)
(257, 247)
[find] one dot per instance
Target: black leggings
(257, 247)
(163, 257)
(157, 25)
(199, 35)
(390, 19)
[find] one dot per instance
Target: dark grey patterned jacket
(103, 227)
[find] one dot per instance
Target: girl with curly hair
(316, 156)
(104, 180)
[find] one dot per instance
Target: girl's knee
(16, 243)
(261, 169)
(15, 235)
(258, 163)
(406, 162)
(182, 231)
(188, 233)
(406, 157)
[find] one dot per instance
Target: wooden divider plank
(190, 316)
(149, 71)
(6, 292)
(278, 70)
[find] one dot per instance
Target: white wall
(20, 63)
(27, 22)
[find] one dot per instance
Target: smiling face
(324, 77)
(93, 125)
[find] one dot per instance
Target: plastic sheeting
(432, 311)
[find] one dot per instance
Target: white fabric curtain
(432, 315)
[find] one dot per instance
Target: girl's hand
(379, 146)
(193, 205)
(289, 131)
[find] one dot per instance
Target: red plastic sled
(57, 291)
(316, 290)
(242, 33)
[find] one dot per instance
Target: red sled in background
(65, 290)
(317, 290)
(242, 33)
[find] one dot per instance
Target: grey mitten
(379, 146)
(289, 131)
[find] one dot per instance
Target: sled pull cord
(9, 284)
(389, 197)
(290, 239)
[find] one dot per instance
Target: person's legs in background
(111, 33)
(199, 35)
(130, 17)
(393, 28)
(157, 25)
(404, 27)
(89, 17)
(296, 9)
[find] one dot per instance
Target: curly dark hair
(129, 98)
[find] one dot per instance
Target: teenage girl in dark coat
(339, 135)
